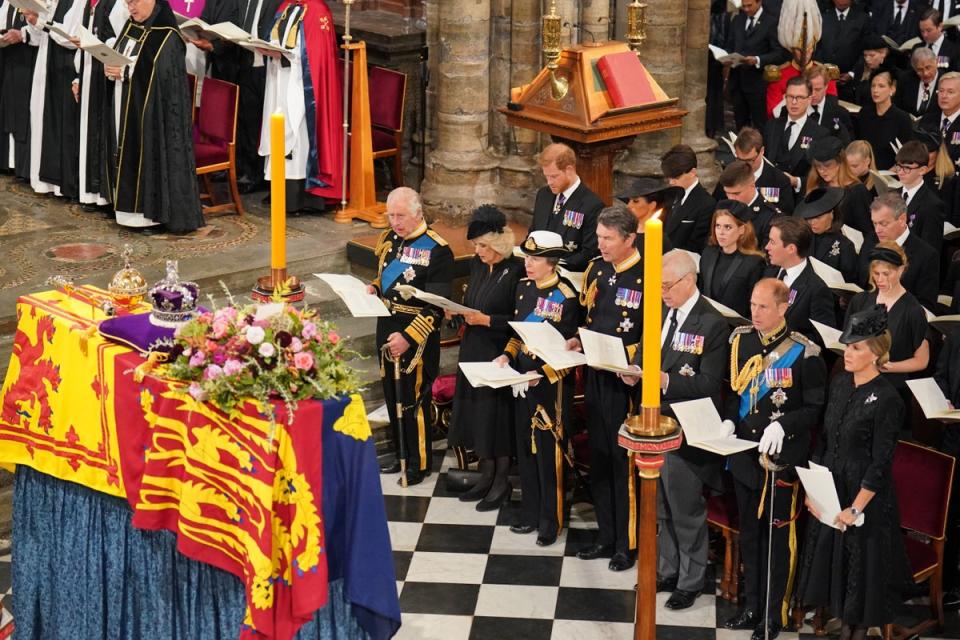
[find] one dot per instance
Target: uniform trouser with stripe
(681, 525)
(612, 481)
(753, 546)
(540, 459)
(416, 391)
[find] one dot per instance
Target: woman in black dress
(542, 412)
(829, 168)
(482, 417)
(907, 321)
(830, 246)
(731, 263)
(875, 56)
(856, 569)
(881, 123)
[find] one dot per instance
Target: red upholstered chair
(215, 146)
(388, 90)
(723, 516)
(923, 478)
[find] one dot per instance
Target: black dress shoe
(595, 551)
(153, 230)
(90, 208)
(495, 502)
(746, 619)
(759, 633)
(621, 561)
(522, 529)
(681, 599)
(413, 477)
(546, 541)
(390, 467)
(667, 584)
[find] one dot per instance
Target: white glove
(772, 440)
(520, 389)
(729, 429)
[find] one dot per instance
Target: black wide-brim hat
(644, 187)
(825, 149)
(486, 219)
(865, 324)
(819, 201)
(737, 209)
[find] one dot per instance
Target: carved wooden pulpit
(585, 117)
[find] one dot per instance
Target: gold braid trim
(541, 420)
(748, 375)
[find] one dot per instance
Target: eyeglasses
(790, 98)
(665, 287)
(905, 168)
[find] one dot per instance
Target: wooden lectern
(585, 118)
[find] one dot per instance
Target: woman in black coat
(731, 263)
(830, 246)
(482, 417)
(855, 563)
(881, 123)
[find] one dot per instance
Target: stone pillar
(519, 174)
(569, 10)
(501, 37)
(695, 89)
(595, 21)
(460, 170)
(662, 54)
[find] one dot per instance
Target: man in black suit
(566, 206)
(753, 33)
(844, 27)
(944, 119)
(791, 241)
(922, 276)
(257, 19)
(789, 137)
(772, 183)
(825, 110)
(899, 20)
(221, 55)
(688, 224)
(917, 91)
(934, 38)
(693, 365)
(925, 211)
(737, 181)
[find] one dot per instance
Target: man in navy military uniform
(779, 389)
(410, 253)
(739, 184)
(567, 206)
(613, 284)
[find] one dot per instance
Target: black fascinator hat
(486, 219)
(865, 324)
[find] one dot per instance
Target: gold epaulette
(810, 348)
(437, 237)
(383, 245)
(589, 288)
(738, 331)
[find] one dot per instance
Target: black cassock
(858, 573)
(99, 141)
(156, 170)
(482, 417)
(60, 142)
(16, 79)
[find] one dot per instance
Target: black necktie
(785, 141)
(782, 274)
(750, 23)
(842, 16)
(906, 196)
(898, 19)
(671, 331)
(816, 113)
(249, 16)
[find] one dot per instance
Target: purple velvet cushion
(136, 331)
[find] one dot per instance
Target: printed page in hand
(438, 301)
(606, 352)
(701, 425)
(934, 404)
(490, 374)
(543, 339)
(353, 292)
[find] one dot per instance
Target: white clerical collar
(903, 237)
(792, 273)
(569, 190)
(686, 192)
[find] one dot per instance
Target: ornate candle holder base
(290, 288)
(649, 436)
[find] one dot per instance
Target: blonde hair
(891, 246)
(845, 176)
(502, 242)
(880, 347)
(863, 149)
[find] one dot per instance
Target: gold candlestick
(636, 25)
(552, 48)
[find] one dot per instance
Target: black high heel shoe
(492, 504)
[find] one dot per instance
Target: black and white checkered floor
(462, 574)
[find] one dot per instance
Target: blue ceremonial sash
(783, 362)
(555, 296)
(393, 270)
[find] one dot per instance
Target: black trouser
(612, 478)
(714, 115)
(540, 457)
(416, 390)
(252, 81)
(749, 108)
(754, 534)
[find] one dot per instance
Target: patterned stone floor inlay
(79, 252)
